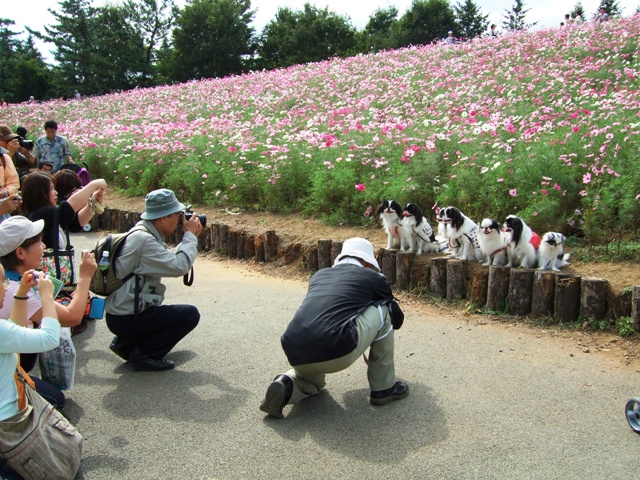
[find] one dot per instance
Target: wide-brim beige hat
(15, 230)
(360, 248)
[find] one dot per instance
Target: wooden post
(520, 287)
(240, 241)
(635, 308)
(388, 265)
(566, 303)
(224, 239)
(455, 280)
(259, 248)
(232, 244)
(593, 298)
(438, 280)
(404, 260)
(311, 259)
(215, 237)
(336, 249)
(324, 254)
(249, 246)
(292, 253)
(498, 289)
(477, 288)
(204, 240)
(270, 246)
(544, 290)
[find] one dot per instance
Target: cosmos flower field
(544, 124)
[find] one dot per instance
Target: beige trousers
(375, 332)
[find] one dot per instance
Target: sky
(548, 13)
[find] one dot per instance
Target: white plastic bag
(58, 366)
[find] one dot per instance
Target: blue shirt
(53, 151)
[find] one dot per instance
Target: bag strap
(22, 379)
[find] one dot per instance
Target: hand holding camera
(193, 222)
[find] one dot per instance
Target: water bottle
(104, 262)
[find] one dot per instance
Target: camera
(28, 144)
(188, 213)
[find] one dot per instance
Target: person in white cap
(144, 335)
(348, 309)
(450, 40)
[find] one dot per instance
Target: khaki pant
(375, 332)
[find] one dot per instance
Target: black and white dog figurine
(390, 212)
(491, 243)
(522, 243)
(551, 252)
(462, 231)
(417, 231)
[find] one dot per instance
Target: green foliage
(471, 23)
(514, 18)
(308, 35)
(211, 39)
(625, 327)
(610, 6)
(426, 21)
(377, 34)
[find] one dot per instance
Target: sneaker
(141, 361)
(382, 397)
(277, 396)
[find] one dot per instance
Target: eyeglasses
(6, 282)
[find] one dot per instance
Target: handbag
(58, 366)
(38, 442)
(60, 263)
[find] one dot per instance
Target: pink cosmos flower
(232, 149)
(544, 192)
(513, 192)
(557, 187)
(586, 178)
(360, 187)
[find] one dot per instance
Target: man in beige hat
(348, 309)
(146, 332)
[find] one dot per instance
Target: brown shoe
(382, 397)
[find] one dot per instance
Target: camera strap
(188, 278)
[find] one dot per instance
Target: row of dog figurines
(512, 244)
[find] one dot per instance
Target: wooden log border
(558, 296)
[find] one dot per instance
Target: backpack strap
(137, 289)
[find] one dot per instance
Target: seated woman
(14, 338)
(40, 201)
(21, 250)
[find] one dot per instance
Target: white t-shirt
(33, 304)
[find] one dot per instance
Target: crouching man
(146, 334)
(348, 309)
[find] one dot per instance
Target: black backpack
(104, 281)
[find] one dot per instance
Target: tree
(152, 20)
(514, 18)
(118, 53)
(307, 35)
(212, 38)
(578, 10)
(470, 21)
(426, 21)
(23, 72)
(378, 33)
(611, 7)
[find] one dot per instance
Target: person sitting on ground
(40, 201)
(22, 158)
(15, 339)
(147, 332)
(348, 309)
(21, 251)
(53, 147)
(45, 167)
(9, 181)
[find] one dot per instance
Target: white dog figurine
(551, 252)
(417, 231)
(521, 242)
(491, 241)
(390, 212)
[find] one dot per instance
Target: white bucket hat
(360, 248)
(15, 230)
